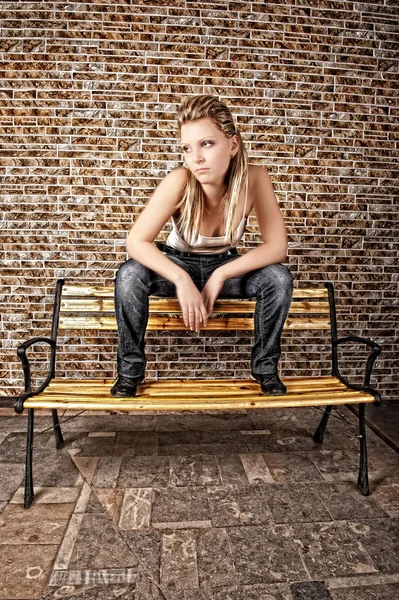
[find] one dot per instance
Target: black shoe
(270, 384)
(125, 387)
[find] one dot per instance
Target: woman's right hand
(191, 303)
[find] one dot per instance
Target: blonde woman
(208, 200)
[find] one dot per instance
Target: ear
(235, 145)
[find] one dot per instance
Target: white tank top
(208, 244)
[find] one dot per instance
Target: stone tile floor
(198, 506)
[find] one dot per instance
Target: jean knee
(278, 280)
(131, 273)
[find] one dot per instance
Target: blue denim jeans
(271, 286)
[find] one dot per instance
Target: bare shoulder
(258, 178)
(178, 175)
(255, 172)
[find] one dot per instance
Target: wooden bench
(85, 308)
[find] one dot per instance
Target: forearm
(148, 255)
(259, 257)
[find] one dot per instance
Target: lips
(199, 170)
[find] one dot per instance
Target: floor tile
(90, 592)
(136, 508)
(48, 495)
(265, 554)
(260, 591)
(336, 465)
(345, 501)
(100, 577)
(11, 477)
(97, 446)
(215, 563)
(238, 505)
(179, 560)
(38, 525)
(146, 545)
(294, 467)
(224, 508)
(180, 505)
(124, 422)
(143, 472)
(54, 468)
(231, 469)
(310, 590)
(387, 497)
(375, 592)
(137, 443)
(294, 503)
(25, 570)
(99, 546)
(331, 549)
(193, 471)
(256, 469)
(86, 466)
(254, 509)
(380, 537)
(66, 549)
(109, 500)
(107, 471)
(13, 448)
(264, 441)
(18, 423)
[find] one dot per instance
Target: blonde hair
(192, 202)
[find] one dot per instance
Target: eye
(185, 148)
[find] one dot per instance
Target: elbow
(132, 245)
(283, 252)
(279, 252)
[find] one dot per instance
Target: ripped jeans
(271, 286)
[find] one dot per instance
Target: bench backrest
(92, 308)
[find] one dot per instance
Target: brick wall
(88, 94)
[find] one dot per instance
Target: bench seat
(195, 394)
(86, 308)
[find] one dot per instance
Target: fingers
(192, 306)
(204, 315)
(193, 316)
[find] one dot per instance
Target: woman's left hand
(212, 290)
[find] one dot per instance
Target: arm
(272, 228)
(140, 246)
(152, 219)
(21, 352)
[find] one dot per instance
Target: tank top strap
(246, 197)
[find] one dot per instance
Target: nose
(198, 156)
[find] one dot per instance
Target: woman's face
(205, 146)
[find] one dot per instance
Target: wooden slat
(199, 388)
(196, 395)
(87, 305)
(108, 292)
(173, 306)
(176, 324)
(88, 290)
(309, 307)
(295, 383)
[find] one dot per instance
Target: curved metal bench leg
(319, 433)
(29, 494)
(59, 440)
(363, 479)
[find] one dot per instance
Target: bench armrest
(374, 353)
(21, 352)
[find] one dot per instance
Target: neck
(215, 197)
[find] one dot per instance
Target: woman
(209, 201)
